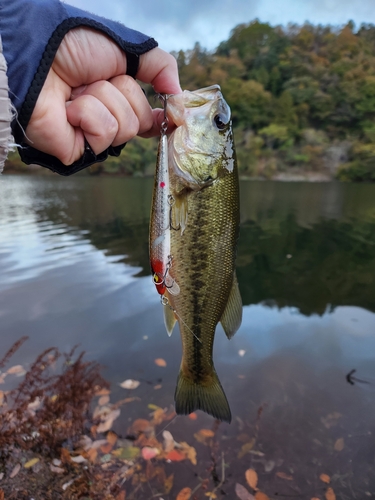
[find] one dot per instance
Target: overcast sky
(179, 24)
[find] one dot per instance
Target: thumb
(160, 69)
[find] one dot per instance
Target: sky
(179, 24)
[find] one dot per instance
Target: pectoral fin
(232, 315)
(169, 319)
(180, 213)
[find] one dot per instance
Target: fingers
(160, 69)
(105, 113)
(110, 113)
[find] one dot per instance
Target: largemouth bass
(203, 207)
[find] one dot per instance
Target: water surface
(74, 269)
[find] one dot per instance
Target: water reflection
(74, 268)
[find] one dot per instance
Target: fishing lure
(161, 259)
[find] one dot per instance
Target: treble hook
(164, 126)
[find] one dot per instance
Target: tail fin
(211, 399)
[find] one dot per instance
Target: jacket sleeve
(31, 32)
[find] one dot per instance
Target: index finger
(160, 69)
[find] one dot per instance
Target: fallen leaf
(190, 452)
(30, 463)
(193, 416)
(16, 370)
(103, 400)
(127, 453)
(245, 448)
(2, 378)
(282, 475)
(108, 422)
(331, 419)
(56, 470)
(153, 407)
(160, 362)
(15, 471)
(261, 496)
(121, 495)
(242, 493)
(140, 425)
(102, 392)
(251, 478)
(203, 434)
(34, 405)
(330, 494)
(149, 453)
(111, 437)
(1, 397)
(325, 478)
(184, 494)
(210, 494)
(92, 454)
(130, 384)
(339, 445)
(157, 387)
(168, 443)
(175, 456)
(168, 483)
(106, 448)
(79, 459)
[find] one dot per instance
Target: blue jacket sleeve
(31, 32)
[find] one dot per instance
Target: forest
(302, 100)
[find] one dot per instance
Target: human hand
(88, 95)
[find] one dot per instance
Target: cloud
(179, 25)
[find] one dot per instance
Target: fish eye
(218, 119)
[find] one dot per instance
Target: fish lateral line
(165, 303)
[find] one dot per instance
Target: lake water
(74, 269)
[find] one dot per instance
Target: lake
(74, 270)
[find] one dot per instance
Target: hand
(87, 94)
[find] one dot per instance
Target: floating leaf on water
(204, 434)
(140, 425)
(193, 416)
(34, 405)
(157, 387)
(160, 362)
(331, 419)
(102, 392)
(241, 352)
(130, 384)
(259, 495)
(175, 456)
(210, 494)
(153, 407)
(15, 471)
(168, 483)
(1, 398)
(168, 443)
(339, 445)
(103, 400)
(56, 462)
(2, 378)
(148, 453)
(16, 370)
(242, 493)
(245, 448)
(109, 419)
(282, 475)
(30, 463)
(330, 494)
(269, 465)
(66, 485)
(184, 494)
(190, 452)
(251, 478)
(325, 478)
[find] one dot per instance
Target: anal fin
(232, 315)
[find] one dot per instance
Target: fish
(203, 229)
